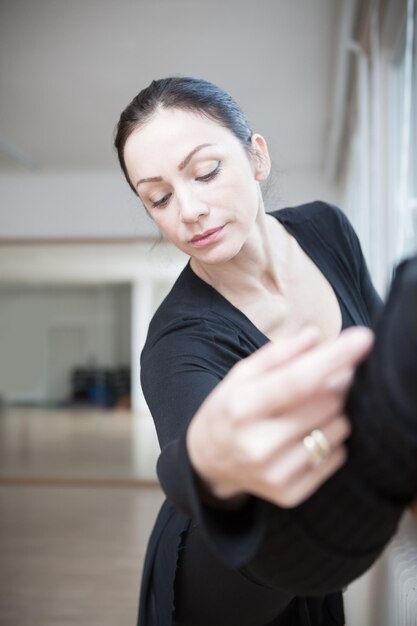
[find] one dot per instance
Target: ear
(261, 158)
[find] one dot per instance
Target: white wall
(45, 331)
(70, 204)
(291, 187)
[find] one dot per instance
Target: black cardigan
(195, 337)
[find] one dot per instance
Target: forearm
(234, 532)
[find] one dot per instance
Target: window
(381, 177)
(402, 86)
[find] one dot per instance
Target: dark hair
(186, 93)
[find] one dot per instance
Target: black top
(194, 338)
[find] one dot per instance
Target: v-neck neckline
(287, 224)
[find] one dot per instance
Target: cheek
(163, 224)
(246, 192)
(168, 224)
(237, 188)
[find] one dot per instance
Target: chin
(215, 257)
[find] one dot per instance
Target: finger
(310, 371)
(260, 440)
(296, 424)
(306, 485)
(341, 381)
(291, 466)
(279, 390)
(273, 355)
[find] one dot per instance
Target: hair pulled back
(189, 94)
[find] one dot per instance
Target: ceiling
(68, 68)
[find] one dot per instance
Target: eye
(162, 202)
(211, 174)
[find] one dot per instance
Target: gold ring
(317, 446)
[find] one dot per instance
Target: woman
(246, 370)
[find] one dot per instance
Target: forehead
(172, 133)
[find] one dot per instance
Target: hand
(247, 436)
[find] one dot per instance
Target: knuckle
(259, 456)
(290, 499)
(234, 408)
(293, 382)
(338, 384)
(239, 406)
(249, 454)
(276, 480)
(301, 384)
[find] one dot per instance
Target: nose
(191, 207)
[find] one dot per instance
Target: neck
(259, 266)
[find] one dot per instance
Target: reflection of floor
(75, 516)
(73, 555)
(73, 444)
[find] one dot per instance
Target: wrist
(212, 490)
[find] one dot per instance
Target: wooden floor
(78, 499)
(77, 443)
(71, 552)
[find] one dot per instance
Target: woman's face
(195, 178)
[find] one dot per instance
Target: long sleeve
(237, 533)
(177, 375)
(338, 532)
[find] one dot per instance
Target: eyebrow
(184, 163)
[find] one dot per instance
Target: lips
(206, 234)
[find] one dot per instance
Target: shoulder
(189, 324)
(326, 224)
(182, 309)
(317, 213)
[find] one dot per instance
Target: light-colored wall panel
(81, 326)
(70, 204)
